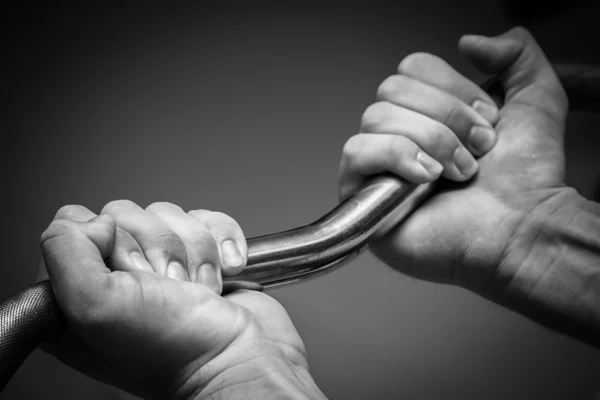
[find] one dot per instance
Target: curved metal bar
(335, 238)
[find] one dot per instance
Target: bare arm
(551, 272)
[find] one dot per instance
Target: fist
(139, 290)
(431, 121)
(428, 121)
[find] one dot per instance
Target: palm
(200, 321)
(179, 322)
(469, 226)
(271, 322)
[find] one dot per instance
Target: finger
(433, 137)
(72, 212)
(474, 131)
(369, 154)
(162, 247)
(230, 238)
(526, 74)
(204, 265)
(436, 72)
(127, 254)
(74, 253)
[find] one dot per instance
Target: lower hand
(139, 290)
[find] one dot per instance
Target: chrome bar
(336, 238)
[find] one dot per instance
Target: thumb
(528, 79)
(74, 254)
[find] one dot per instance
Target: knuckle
(353, 148)
(391, 85)
(58, 228)
(440, 142)
(523, 38)
(415, 62)
(454, 115)
(71, 211)
(437, 133)
(374, 116)
(168, 245)
(521, 33)
(203, 218)
(197, 232)
(199, 213)
(163, 205)
(399, 147)
(118, 204)
(168, 241)
(222, 218)
(203, 245)
(203, 240)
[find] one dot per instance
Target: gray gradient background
(245, 110)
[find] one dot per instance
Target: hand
(136, 318)
(427, 115)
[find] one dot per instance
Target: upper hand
(139, 290)
(428, 115)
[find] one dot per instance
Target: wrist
(265, 378)
(252, 372)
(550, 271)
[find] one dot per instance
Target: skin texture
(504, 226)
(460, 235)
(160, 334)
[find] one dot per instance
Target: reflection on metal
(334, 239)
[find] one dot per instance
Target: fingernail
(231, 254)
(430, 164)
(140, 262)
(482, 139)
(176, 271)
(465, 162)
(207, 276)
(488, 111)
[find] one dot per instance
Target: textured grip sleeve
(27, 318)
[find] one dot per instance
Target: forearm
(551, 271)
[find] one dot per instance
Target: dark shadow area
(596, 195)
(531, 12)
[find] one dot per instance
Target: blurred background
(245, 109)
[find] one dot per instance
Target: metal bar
(334, 239)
